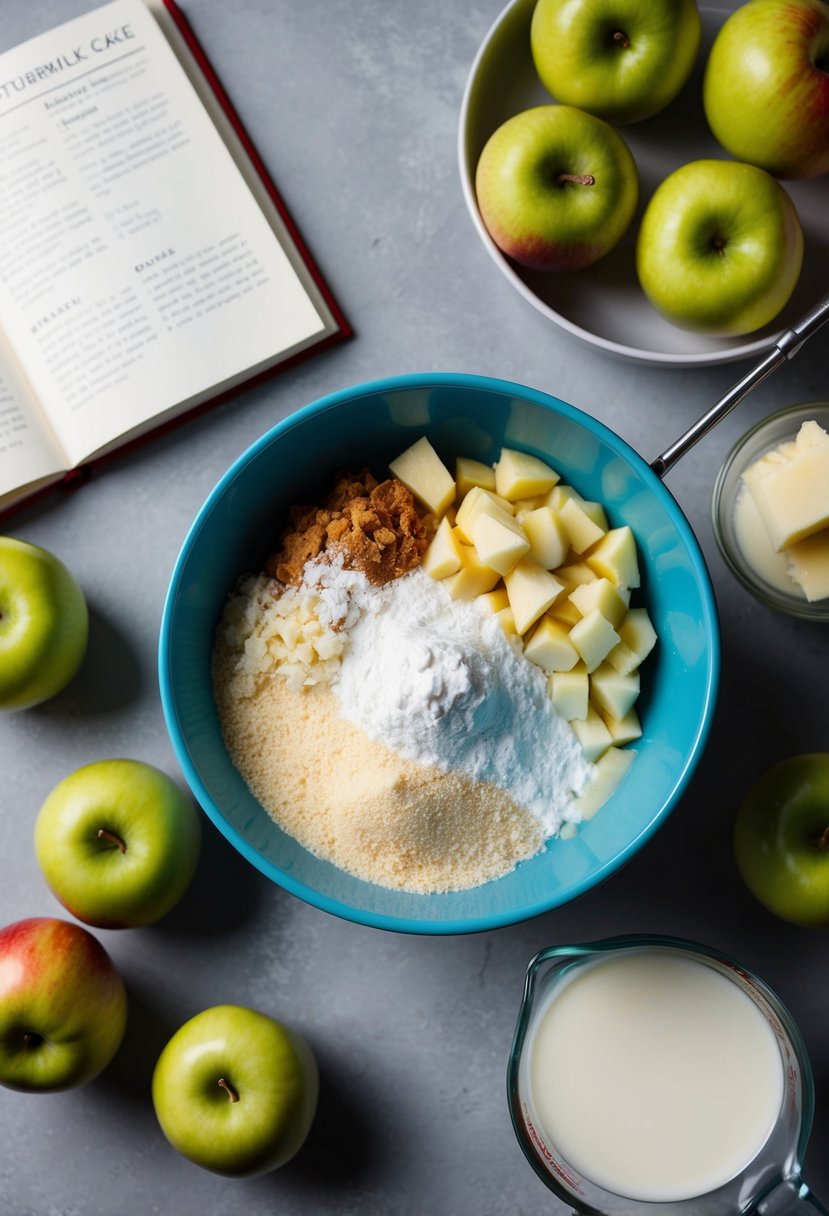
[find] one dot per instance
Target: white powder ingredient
(437, 680)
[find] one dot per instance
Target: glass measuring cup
(769, 1185)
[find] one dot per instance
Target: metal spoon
(785, 348)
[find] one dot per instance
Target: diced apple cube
(473, 578)
(596, 512)
(495, 601)
(531, 590)
(528, 504)
(611, 601)
(612, 692)
(564, 611)
(559, 495)
(499, 500)
(623, 659)
(443, 556)
(479, 502)
(581, 529)
(623, 730)
(469, 473)
(547, 536)
(593, 637)
(550, 647)
(569, 692)
(423, 472)
(520, 475)
(615, 558)
(611, 768)
(592, 734)
(498, 543)
(637, 633)
(573, 574)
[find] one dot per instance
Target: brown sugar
(374, 526)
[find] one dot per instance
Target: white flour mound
(437, 680)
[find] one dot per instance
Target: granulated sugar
(357, 803)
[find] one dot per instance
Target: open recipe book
(147, 264)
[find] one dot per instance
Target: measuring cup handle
(789, 1198)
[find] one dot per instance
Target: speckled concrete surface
(354, 107)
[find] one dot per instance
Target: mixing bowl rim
(379, 387)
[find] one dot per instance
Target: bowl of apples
(673, 227)
(372, 426)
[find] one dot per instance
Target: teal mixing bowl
(370, 424)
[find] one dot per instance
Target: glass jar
(763, 573)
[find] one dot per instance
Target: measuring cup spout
(789, 1198)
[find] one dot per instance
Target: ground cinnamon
(375, 526)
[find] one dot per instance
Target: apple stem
(30, 1039)
(228, 1088)
(113, 838)
(622, 39)
(579, 179)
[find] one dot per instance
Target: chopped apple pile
(558, 579)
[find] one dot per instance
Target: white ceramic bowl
(604, 305)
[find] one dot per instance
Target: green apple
(766, 86)
(556, 188)
(43, 624)
(621, 59)
(781, 839)
(63, 1006)
(118, 843)
(236, 1091)
(719, 248)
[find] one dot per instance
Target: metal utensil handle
(786, 346)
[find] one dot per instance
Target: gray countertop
(354, 108)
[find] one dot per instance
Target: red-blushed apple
(556, 188)
(63, 1006)
(44, 624)
(781, 839)
(235, 1091)
(118, 843)
(766, 86)
(719, 248)
(620, 60)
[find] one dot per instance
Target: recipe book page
(138, 274)
(29, 452)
